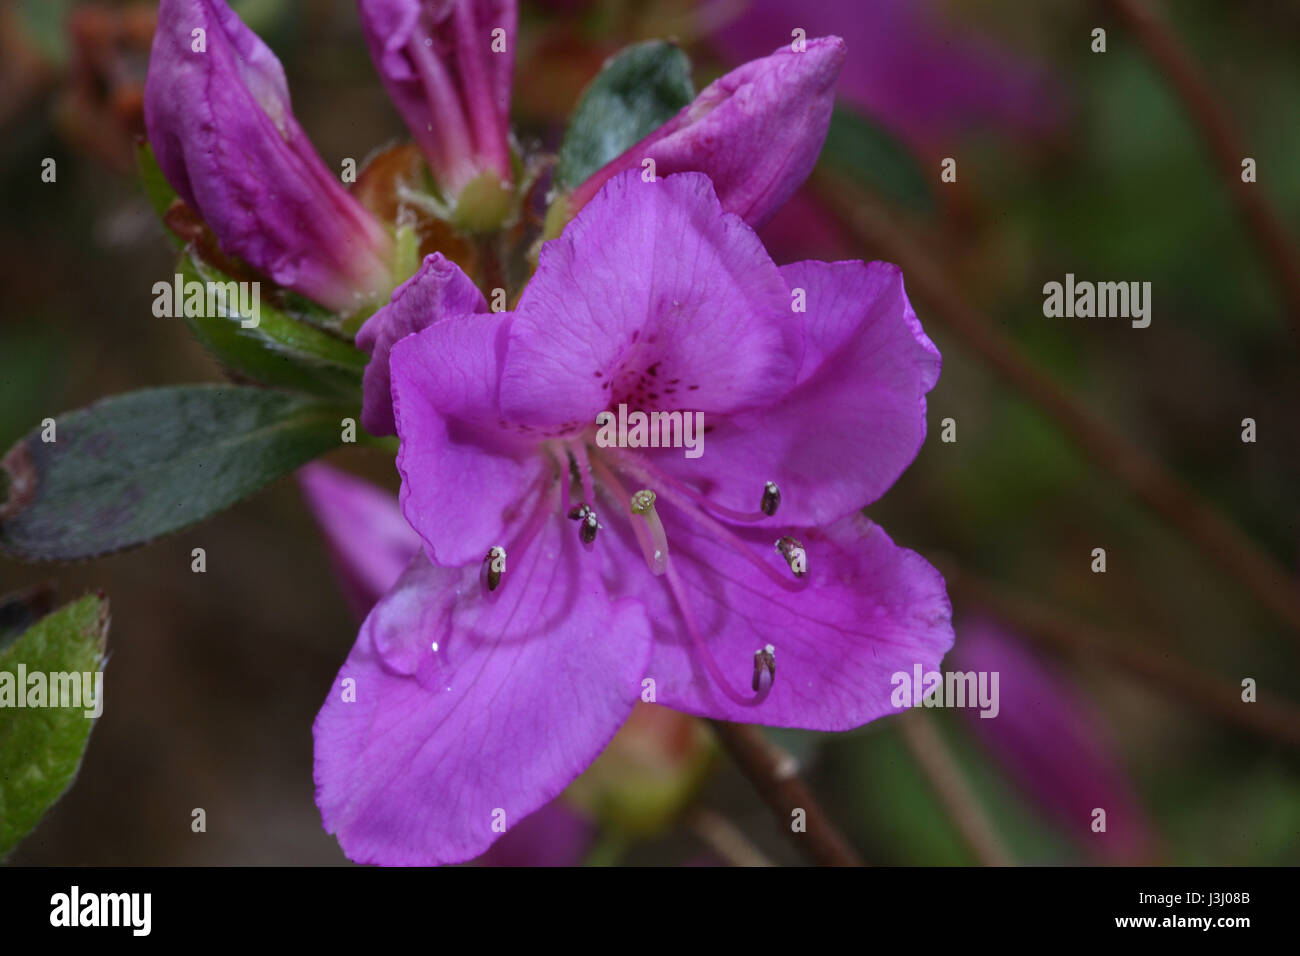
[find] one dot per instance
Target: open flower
(516, 644)
(220, 122)
(755, 132)
(448, 65)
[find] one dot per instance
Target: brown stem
(1183, 509)
(491, 270)
(725, 839)
(1181, 682)
(1221, 138)
(950, 786)
(774, 774)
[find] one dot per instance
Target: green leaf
(637, 90)
(133, 467)
(44, 21)
(280, 350)
(41, 747)
(289, 347)
(156, 188)
(873, 158)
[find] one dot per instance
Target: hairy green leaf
(873, 158)
(41, 746)
(637, 90)
(137, 466)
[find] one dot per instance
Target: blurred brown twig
(1182, 682)
(945, 777)
(1223, 141)
(1193, 516)
(774, 774)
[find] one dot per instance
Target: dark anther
(794, 555)
(764, 660)
(494, 565)
(590, 525)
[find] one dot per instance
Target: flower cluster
(560, 581)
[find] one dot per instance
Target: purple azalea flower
(448, 65)
(1055, 746)
(220, 122)
(756, 132)
(917, 73)
(438, 288)
(516, 644)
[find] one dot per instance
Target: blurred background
(1119, 690)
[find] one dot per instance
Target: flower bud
(448, 65)
(221, 125)
(755, 132)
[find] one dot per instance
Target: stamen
(764, 660)
(653, 476)
(584, 469)
(705, 657)
(771, 499)
(494, 565)
(794, 554)
(564, 463)
(649, 531)
(719, 531)
(700, 649)
(541, 514)
(589, 523)
(587, 531)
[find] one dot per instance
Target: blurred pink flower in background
(1054, 746)
(370, 544)
(910, 67)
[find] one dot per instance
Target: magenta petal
(756, 132)
(437, 291)
(223, 130)
(1053, 743)
(369, 541)
(655, 297)
(519, 696)
(437, 62)
(855, 421)
(463, 469)
(871, 609)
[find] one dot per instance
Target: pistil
(640, 508)
(649, 531)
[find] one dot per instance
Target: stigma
(649, 531)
